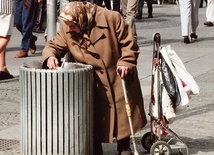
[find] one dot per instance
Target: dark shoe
(38, 30)
(36, 26)
(138, 16)
(150, 15)
(5, 75)
(193, 36)
(123, 146)
(98, 150)
(208, 23)
(32, 48)
(126, 152)
(186, 40)
(21, 54)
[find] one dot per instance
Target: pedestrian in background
(129, 9)
(201, 4)
(189, 19)
(140, 9)
(101, 38)
(6, 26)
(100, 3)
(209, 13)
(116, 5)
(24, 20)
(40, 22)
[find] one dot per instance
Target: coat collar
(100, 23)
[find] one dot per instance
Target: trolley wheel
(147, 141)
(160, 148)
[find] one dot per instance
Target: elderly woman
(100, 37)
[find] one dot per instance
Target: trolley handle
(157, 38)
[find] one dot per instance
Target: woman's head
(81, 14)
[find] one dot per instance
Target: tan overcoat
(112, 44)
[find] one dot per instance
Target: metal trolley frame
(156, 144)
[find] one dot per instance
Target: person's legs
(139, 9)
(4, 74)
(24, 23)
(18, 14)
(6, 26)
(38, 12)
(3, 44)
(98, 2)
(2, 58)
(107, 4)
(201, 4)
(194, 15)
(123, 145)
(210, 12)
(97, 148)
(150, 10)
(43, 21)
(185, 12)
(27, 25)
(130, 15)
(116, 5)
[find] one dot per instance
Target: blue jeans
(24, 21)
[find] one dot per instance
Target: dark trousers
(141, 4)
(116, 5)
(123, 144)
(201, 5)
(100, 2)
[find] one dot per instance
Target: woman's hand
(52, 63)
(122, 71)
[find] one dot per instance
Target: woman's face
(72, 26)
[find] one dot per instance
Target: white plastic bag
(166, 103)
(183, 74)
(167, 108)
(184, 99)
(154, 98)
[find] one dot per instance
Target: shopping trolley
(156, 141)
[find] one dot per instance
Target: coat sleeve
(129, 49)
(57, 46)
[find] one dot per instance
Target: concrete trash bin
(56, 110)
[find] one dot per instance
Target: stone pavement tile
(9, 97)
(14, 133)
(9, 147)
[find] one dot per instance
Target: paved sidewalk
(193, 125)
